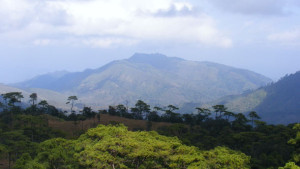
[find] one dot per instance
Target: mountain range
(277, 103)
(154, 78)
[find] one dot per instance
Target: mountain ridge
(276, 103)
(155, 78)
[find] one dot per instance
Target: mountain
(43, 81)
(154, 78)
(277, 103)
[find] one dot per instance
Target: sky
(41, 36)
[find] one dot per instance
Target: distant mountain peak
(142, 57)
(58, 74)
(155, 59)
(150, 55)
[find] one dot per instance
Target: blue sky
(40, 36)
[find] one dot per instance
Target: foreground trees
(27, 127)
(116, 147)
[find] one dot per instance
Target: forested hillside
(278, 103)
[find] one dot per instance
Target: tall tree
(240, 122)
(123, 111)
(253, 115)
(33, 98)
(203, 114)
(171, 116)
(228, 114)
(11, 99)
(43, 103)
(141, 110)
(71, 100)
(113, 111)
(1, 105)
(219, 109)
(88, 112)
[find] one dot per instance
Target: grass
(73, 129)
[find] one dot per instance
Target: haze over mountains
(52, 97)
(276, 103)
(154, 78)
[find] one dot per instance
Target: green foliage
(54, 153)
(290, 165)
(296, 142)
(222, 157)
(116, 147)
(266, 144)
(3, 150)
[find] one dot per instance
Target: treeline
(22, 128)
(142, 111)
(266, 144)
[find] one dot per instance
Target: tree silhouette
(203, 114)
(219, 109)
(141, 110)
(1, 105)
(33, 98)
(88, 112)
(43, 103)
(171, 116)
(12, 97)
(228, 114)
(71, 100)
(123, 111)
(253, 115)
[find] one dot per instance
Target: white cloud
(260, 7)
(287, 37)
(109, 42)
(41, 42)
(137, 20)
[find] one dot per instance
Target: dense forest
(211, 138)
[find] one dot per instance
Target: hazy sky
(40, 36)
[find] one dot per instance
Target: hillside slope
(154, 78)
(276, 103)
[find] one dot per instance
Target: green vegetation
(116, 147)
(214, 138)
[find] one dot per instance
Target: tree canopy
(116, 147)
